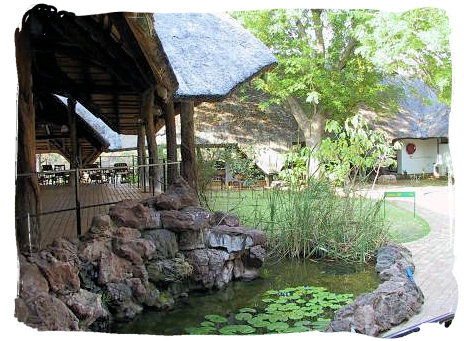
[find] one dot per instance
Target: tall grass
(315, 222)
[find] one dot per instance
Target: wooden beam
(171, 143)
(187, 147)
(141, 153)
(27, 200)
(148, 109)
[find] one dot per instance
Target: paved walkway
(433, 255)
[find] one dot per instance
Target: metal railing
(131, 175)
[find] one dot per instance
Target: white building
(421, 125)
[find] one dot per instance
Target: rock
(190, 240)
(178, 196)
(46, 312)
(252, 236)
(87, 306)
(65, 251)
(121, 303)
(131, 213)
(256, 257)
(211, 267)
(62, 277)
(127, 233)
(94, 249)
(169, 270)
(138, 250)
(387, 179)
(101, 227)
(114, 269)
(31, 280)
(144, 293)
(177, 221)
(223, 218)
(165, 243)
(232, 241)
(393, 302)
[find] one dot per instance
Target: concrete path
(433, 255)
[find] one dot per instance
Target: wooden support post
(187, 149)
(141, 153)
(171, 141)
(75, 164)
(148, 108)
(27, 200)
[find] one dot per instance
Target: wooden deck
(64, 224)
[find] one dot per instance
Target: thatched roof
(97, 125)
(211, 54)
(421, 114)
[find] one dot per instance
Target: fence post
(78, 203)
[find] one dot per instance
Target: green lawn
(403, 226)
(252, 208)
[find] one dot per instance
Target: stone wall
(142, 254)
(394, 301)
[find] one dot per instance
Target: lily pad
(243, 316)
(215, 318)
(201, 330)
(248, 310)
(278, 326)
(207, 324)
(234, 329)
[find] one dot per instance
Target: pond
(336, 277)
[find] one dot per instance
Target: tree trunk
(148, 108)
(187, 148)
(141, 154)
(312, 128)
(171, 140)
(27, 200)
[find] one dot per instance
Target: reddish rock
(177, 221)
(101, 228)
(114, 269)
(136, 250)
(46, 312)
(93, 250)
(31, 280)
(127, 233)
(178, 195)
(87, 306)
(62, 277)
(131, 213)
(257, 236)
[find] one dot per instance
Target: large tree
(333, 61)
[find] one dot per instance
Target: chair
(46, 179)
(121, 170)
(60, 177)
(95, 175)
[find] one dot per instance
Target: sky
(11, 19)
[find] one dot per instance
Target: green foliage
(290, 310)
(353, 150)
(361, 48)
(295, 168)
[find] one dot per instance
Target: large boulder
(114, 269)
(131, 246)
(235, 238)
(46, 312)
(87, 306)
(131, 213)
(394, 301)
(178, 195)
(31, 280)
(212, 268)
(169, 270)
(177, 221)
(120, 301)
(165, 243)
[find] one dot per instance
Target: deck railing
(138, 177)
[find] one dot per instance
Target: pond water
(337, 277)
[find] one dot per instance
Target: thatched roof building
(211, 54)
(420, 116)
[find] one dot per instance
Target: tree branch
(316, 13)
